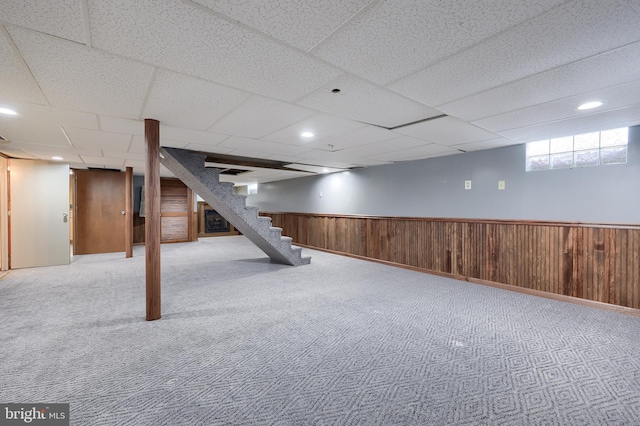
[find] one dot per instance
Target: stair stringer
(189, 168)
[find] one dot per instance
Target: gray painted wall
(435, 188)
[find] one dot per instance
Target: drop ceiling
(246, 78)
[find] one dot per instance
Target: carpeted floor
(337, 342)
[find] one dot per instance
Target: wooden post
(128, 230)
(152, 217)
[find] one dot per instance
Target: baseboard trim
(532, 292)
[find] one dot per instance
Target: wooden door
(39, 227)
(176, 205)
(99, 219)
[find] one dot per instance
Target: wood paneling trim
(471, 220)
(175, 214)
(598, 264)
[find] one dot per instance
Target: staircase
(189, 168)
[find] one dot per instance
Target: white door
(39, 194)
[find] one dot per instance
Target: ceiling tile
(66, 157)
(16, 82)
(259, 116)
(208, 148)
(102, 161)
(121, 125)
(264, 147)
(189, 102)
(180, 37)
(617, 97)
(60, 18)
(338, 159)
(124, 155)
(210, 74)
(249, 153)
(18, 130)
(608, 69)
(398, 143)
(138, 144)
(15, 152)
(352, 138)
(260, 176)
(191, 136)
(86, 80)
(325, 159)
(321, 155)
(574, 31)
(300, 24)
(322, 126)
(85, 138)
(284, 158)
(61, 116)
(366, 162)
(417, 153)
(446, 131)
(629, 116)
(397, 38)
(490, 144)
(63, 151)
(367, 103)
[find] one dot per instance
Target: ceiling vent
(408, 124)
(233, 172)
(103, 169)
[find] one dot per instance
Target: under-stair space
(190, 168)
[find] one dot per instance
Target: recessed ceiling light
(590, 105)
(7, 111)
(306, 134)
(55, 157)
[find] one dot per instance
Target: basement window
(584, 150)
(252, 189)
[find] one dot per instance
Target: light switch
(501, 185)
(320, 194)
(467, 184)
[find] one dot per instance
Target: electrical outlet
(467, 184)
(501, 185)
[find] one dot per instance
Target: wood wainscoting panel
(596, 262)
(176, 214)
(175, 211)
